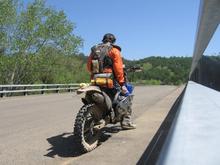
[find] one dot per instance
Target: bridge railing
(14, 90)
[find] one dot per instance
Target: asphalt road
(38, 129)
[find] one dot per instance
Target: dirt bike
(99, 109)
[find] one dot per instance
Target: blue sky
(143, 27)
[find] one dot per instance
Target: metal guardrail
(11, 90)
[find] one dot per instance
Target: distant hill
(161, 70)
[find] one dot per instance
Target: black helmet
(109, 38)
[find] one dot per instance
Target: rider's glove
(124, 90)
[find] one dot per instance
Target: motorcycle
(99, 109)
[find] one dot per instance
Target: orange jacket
(115, 55)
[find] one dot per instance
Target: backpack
(100, 58)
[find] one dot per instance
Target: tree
(29, 32)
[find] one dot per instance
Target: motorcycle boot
(126, 123)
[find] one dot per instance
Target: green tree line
(161, 70)
(38, 45)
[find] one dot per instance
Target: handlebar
(133, 69)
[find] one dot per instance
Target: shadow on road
(64, 145)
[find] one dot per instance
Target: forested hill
(161, 70)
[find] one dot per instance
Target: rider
(117, 69)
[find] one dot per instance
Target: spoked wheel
(85, 133)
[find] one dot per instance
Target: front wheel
(84, 132)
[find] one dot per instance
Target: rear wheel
(84, 132)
